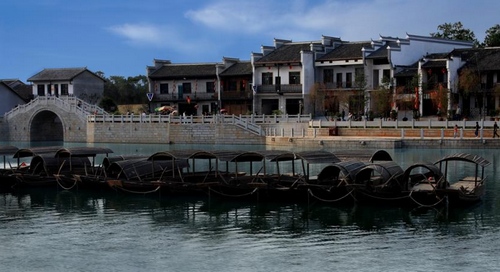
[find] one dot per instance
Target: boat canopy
(182, 154)
(348, 169)
(8, 150)
(278, 155)
(319, 156)
(141, 168)
(82, 151)
(426, 169)
(380, 155)
(387, 170)
(465, 157)
(30, 152)
(238, 156)
(107, 161)
(52, 165)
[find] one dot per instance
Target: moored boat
(7, 180)
(456, 180)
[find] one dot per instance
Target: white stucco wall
(9, 99)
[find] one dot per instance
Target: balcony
(338, 85)
(284, 88)
(236, 95)
(176, 97)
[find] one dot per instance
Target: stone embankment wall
(170, 133)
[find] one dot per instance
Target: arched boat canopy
(82, 151)
(319, 156)
(427, 170)
(8, 150)
(348, 169)
(238, 156)
(381, 155)
(387, 170)
(141, 168)
(30, 152)
(465, 157)
(52, 165)
(107, 161)
(278, 155)
(182, 154)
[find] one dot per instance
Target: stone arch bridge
(50, 118)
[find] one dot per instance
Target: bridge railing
(67, 103)
(154, 118)
(380, 123)
(244, 123)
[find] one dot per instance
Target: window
(376, 79)
(55, 89)
(294, 78)
(243, 85)
(339, 80)
(64, 89)
(348, 79)
(328, 76)
(210, 87)
(163, 88)
(386, 73)
(41, 90)
(232, 85)
(267, 78)
(186, 87)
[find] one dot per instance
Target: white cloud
(138, 33)
(348, 19)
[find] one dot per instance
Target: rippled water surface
(55, 230)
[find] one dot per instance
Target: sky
(123, 37)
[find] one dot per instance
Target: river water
(56, 230)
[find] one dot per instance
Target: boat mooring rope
(137, 192)
(330, 200)
(242, 195)
(423, 205)
(385, 198)
(65, 188)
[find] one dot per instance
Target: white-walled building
(78, 82)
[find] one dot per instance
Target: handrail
(68, 103)
(380, 123)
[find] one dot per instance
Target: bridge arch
(46, 125)
(50, 119)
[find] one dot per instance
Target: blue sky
(122, 37)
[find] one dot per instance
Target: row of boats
(268, 175)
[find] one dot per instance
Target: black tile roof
(380, 53)
(407, 71)
(346, 51)
(184, 71)
(238, 69)
(285, 53)
(484, 59)
(434, 64)
(58, 74)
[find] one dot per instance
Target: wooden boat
(283, 175)
(7, 180)
(141, 176)
(333, 184)
(31, 171)
(78, 161)
(379, 181)
(56, 166)
(200, 172)
(457, 180)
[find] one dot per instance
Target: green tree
(455, 31)
(131, 90)
(492, 36)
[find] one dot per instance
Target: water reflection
(212, 214)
